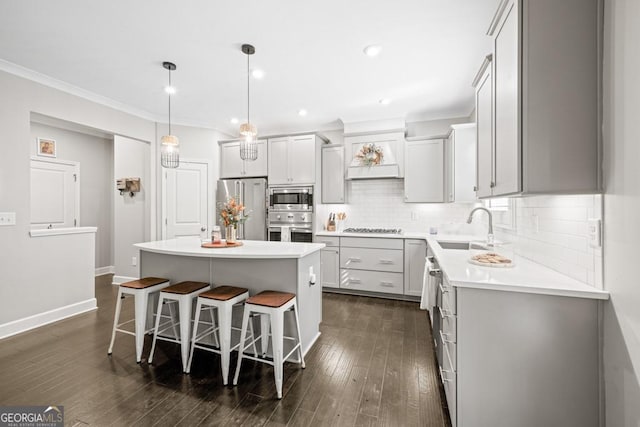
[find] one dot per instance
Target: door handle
(203, 228)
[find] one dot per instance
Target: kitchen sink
(463, 246)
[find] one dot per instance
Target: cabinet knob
(493, 184)
(475, 188)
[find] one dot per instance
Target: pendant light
(248, 131)
(170, 144)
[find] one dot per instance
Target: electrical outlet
(134, 261)
(595, 232)
(7, 218)
(414, 216)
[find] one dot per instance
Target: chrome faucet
(480, 208)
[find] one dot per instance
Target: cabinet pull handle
(442, 289)
(444, 339)
(443, 313)
(386, 284)
(355, 260)
(493, 184)
(386, 261)
(435, 273)
(475, 188)
(355, 281)
(431, 258)
(442, 376)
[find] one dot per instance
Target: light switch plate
(595, 232)
(7, 218)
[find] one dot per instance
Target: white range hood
(375, 155)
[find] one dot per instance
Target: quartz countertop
(254, 249)
(526, 276)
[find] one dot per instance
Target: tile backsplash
(549, 230)
(554, 231)
(379, 203)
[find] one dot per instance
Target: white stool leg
(277, 340)
(155, 329)
(213, 310)
(175, 320)
(224, 320)
(264, 333)
(186, 306)
(193, 336)
(141, 303)
(243, 337)
(295, 311)
(253, 338)
(115, 320)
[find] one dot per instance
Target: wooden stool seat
(184, 288)
(223, 293)
(145, 282)
(271, 299)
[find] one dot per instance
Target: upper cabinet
(424, 171)
(232, 166)
(460, 163)
(537, 103)
(292, 160)
(333, 188)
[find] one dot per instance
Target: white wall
(131, 215)
(622, 212)
(95, 155)
(61, 281)
(434, 127)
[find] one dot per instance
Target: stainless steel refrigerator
(252, 193)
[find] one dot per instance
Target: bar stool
(183, 294)
(274, 304)
(223, 299)
(141, 290)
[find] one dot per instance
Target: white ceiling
(310, 51)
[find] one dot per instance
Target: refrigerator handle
(242, 189)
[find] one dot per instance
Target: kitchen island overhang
(256, 265)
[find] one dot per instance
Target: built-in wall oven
(291, 226)
(291, 199)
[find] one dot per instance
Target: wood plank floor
(373, 365)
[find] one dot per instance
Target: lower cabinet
(517, 359)
(415, 253)
(371, 281)
(330, 261)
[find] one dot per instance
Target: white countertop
(526, 276)
(406, 235)
(254, 249)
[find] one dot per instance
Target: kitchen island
(256, 265)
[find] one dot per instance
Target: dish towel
(285, 233)
(429, 288)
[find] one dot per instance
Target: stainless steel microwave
(291, 199)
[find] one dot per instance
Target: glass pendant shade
(249, 148)
(248, 131)
(170, 151)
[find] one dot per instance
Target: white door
(55, 194)
(302, 160)
(186, 200)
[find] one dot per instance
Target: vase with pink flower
(232, 214)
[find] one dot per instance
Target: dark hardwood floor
(373, 365)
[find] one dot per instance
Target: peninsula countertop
(254, 249)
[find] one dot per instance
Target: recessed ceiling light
(372, 50)
(257, 74)
(302, 112)
(234, 121)
(385, 101)
(171, 90)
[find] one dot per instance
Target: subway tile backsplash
(549, 230)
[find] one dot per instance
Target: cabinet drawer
(371, 281)
(372, 242)
(372, 259)
(450, 349)
(449, 380)
(448, 296)
(448, 325)
(330, 241)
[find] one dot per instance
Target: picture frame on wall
(46, 147)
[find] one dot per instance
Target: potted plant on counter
(232, 213)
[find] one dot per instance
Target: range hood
(375, 156)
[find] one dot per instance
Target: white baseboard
(121, 279)
(110, 269)
(41, 319)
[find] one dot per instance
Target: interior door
(187, 200)
(55, 194)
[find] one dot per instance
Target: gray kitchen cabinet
(424, 171)
(545, 78)
(232, 166)
(333, 188)
(330, 261)
(292, 160)
(484, 130)
(460, 163)
(415, 252)
(517, 359)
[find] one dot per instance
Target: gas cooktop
(374, 230)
